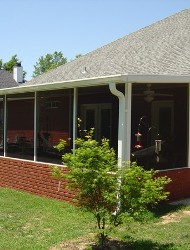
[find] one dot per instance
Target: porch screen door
(97, 116)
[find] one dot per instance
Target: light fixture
(158, 148)
(149, 98)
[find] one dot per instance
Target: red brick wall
(36, 178)
(32, 177)
(179, 188)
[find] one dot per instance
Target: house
(134, 91)
(7, 80)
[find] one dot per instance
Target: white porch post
(75, 102)
(128, 98)
(5, 126)
(121, 123)
(35, 124)
(188, 125)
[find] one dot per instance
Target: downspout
(121, 123)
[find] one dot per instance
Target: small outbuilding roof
(162, 48)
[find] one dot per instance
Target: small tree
(104, 190)
(92, 170)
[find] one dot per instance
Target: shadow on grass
(130, 243)
(164, 209)
(112, 244)
(148, 245)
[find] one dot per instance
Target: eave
(89, 82)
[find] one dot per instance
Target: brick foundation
(32, 177)
(35, 177)
(179, 188)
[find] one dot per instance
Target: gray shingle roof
(161, 48)
(6, 79)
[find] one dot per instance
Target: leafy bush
(140, 189)
(93, 171)
(103, 189)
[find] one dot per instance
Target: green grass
(166, 228)
(31, 222)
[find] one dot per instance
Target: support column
(75, 104)
(5, 126)
(128, 99)
(188, 125)
(36, 113)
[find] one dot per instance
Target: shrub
(103, 189)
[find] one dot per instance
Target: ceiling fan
(149, 94)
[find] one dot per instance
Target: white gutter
(96, 81)
(121, 124)
(156, 78)
(105, 80)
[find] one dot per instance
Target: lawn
(31, 222)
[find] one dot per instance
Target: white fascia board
(97, 81)
(62, 85)
(156, 78)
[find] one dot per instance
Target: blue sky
(33, 28)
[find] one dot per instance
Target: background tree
(48, 62)
(10, 65)
(78, 55)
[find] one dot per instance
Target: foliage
(48, 62)
(10, 65)
(93, 168)
(140, 189)
(103, 189)
(78, 55)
